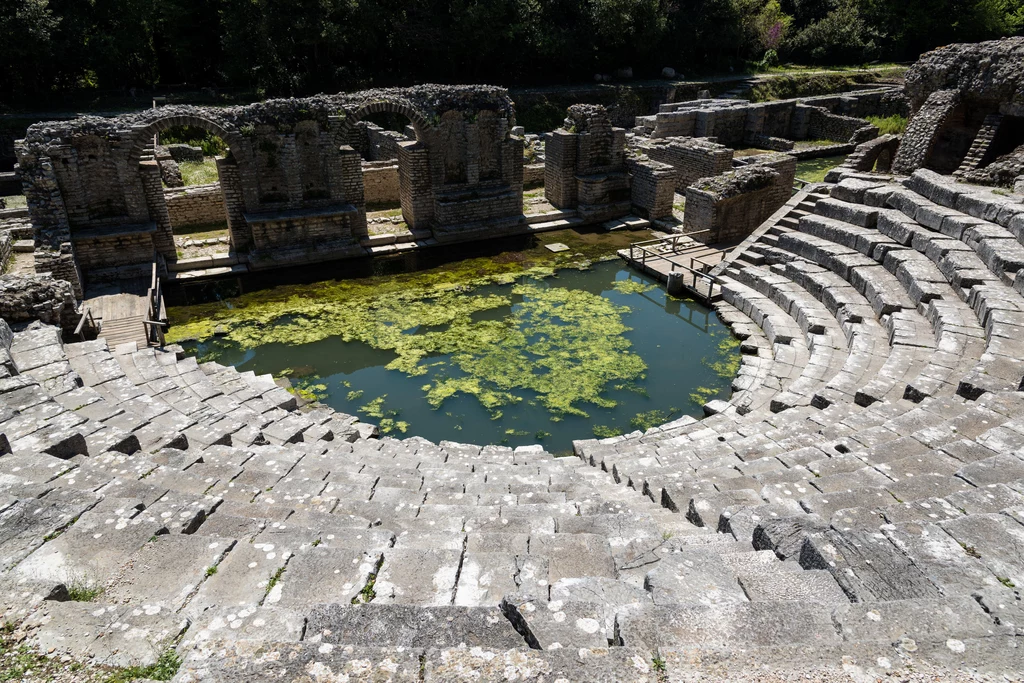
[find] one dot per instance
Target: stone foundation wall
(782, 188)
(460, 210)
(25, 298)
(736, 122)
(692, 158)
(652, 188)
(729, 207)
(381, 183)
(114, 251)
(823, 125)
(196, 205)
(533, 174)
(341, 227)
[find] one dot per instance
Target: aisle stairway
(856, 507)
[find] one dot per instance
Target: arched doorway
(390, 137)
(191, 181)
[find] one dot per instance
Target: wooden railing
(86, 325)
(696, 276)
(156, 316)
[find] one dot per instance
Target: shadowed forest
(293, 47)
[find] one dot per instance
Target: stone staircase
(855, 510)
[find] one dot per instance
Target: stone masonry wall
(381, 182)
(692, 158)
(652, 188)
(729, 207)
(286, 231)
(24, 298)
(6, 249)
(286, 158)
(117, 250)
(195, 205)
(824, 125)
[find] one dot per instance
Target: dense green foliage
(301, 46)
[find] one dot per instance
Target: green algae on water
(632, 287)
(653, 418)
(605, 432)
(564, 345)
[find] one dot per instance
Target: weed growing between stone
(19, 662)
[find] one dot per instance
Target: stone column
(234, 204)
(414, 184)
(54, 250)
(163, 239)
(289, 159)
(350, 170)
(560, 169)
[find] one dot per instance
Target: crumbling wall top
(742, 180)
(582, 118)
(423, 104)
(992, 70)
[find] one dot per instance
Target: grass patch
(789, 85)
(814, 170)
(889, 125)
(80, 592)
(275, 579)
(16, 201)
(19, 662)
(195, 173)
(164, 669)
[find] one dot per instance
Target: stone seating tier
(855, 509)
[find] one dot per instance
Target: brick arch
(144, 135)
(418, 121)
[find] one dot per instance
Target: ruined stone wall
(585, 166)
(195, 205)
(784, 166)
(381, 182)
(692, 158)
(6, 249)
(288, 163)
(25, 298)
(824, 125)
(286, 232)
(729, 207)
(737, 123)
(533, 174)
(97, 253)
(652, 188)
(952, 91)
(872, 155)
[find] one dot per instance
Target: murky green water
(514, 359)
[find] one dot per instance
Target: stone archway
(228, 172)
(415, 189)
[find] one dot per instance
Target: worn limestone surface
(854, 512)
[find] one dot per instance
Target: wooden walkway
(121, 312)
(682, 255)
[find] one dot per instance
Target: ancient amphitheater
(854, 513)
